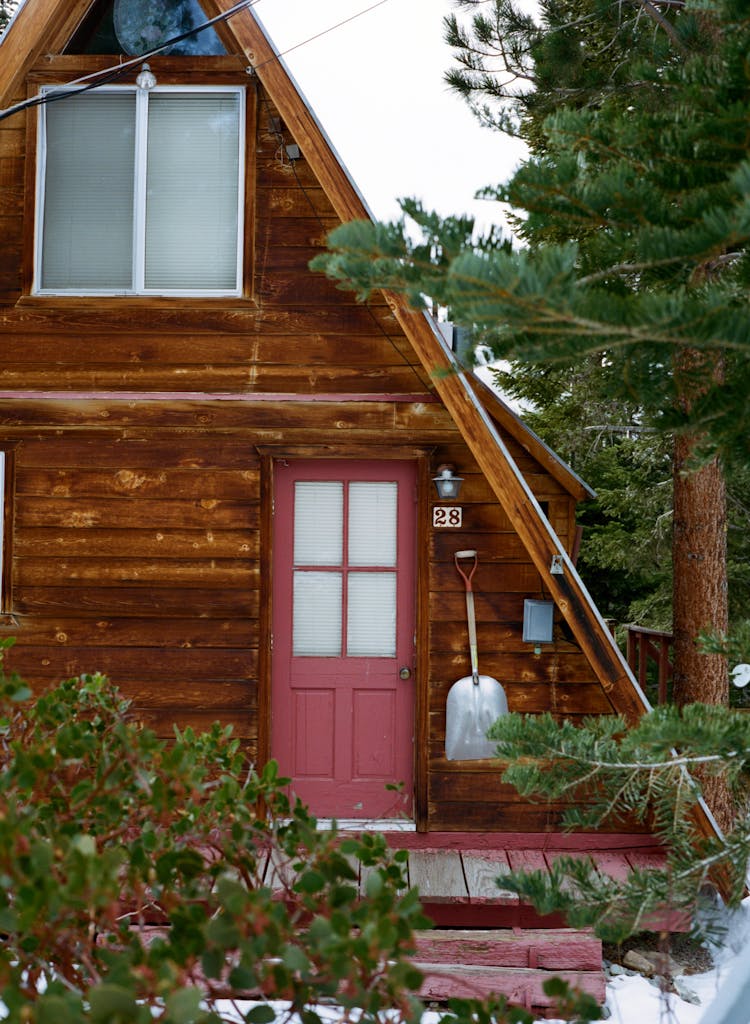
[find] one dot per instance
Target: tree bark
(700, 597)
(699, 552)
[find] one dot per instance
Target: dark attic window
(137, 26)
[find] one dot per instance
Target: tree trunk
(700, 596)
(699, 553)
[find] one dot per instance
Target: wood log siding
(139, 560)
(141, 525)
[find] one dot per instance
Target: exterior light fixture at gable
(145, 79)
(447, 484)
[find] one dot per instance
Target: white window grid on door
(345, 568)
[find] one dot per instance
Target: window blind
(141, 192)
(88, 192)
(191, 191)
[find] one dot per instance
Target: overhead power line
(107, 75)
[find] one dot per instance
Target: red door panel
(342, 719)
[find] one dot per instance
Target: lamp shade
(447, 484)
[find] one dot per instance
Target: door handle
(404, 673)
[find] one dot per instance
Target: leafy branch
(606, 773)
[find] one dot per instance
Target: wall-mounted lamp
(741, 675)
(447, 483)
(145, 79)
(538, 618)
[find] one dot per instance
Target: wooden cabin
(218, 467)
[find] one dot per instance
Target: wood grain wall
(144, 428)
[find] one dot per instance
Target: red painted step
(509, 962)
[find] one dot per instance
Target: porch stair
(512, 962)
(459, 875)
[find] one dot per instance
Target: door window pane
(318, 522)
(371, 614)
(372, 523)
(317, 614)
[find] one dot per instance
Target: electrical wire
(98, 78)
(323, 32)
(106, 75)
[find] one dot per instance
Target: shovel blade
(470, 711)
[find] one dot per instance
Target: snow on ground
(631, 999)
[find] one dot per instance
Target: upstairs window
(140, 193)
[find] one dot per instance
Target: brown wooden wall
(140, 517)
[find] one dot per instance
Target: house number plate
(447, 516)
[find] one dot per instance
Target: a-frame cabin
(217, 467)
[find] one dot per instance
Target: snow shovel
(475, 701)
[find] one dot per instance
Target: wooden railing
(647, 647)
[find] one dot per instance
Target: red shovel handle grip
(458, 557)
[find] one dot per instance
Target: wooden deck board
(438, 874)
(527, 860)
(482, 869)
(645, 859)
(615, 864)
(458, 884)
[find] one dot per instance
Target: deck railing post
(644, 645)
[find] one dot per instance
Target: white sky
(376, 86)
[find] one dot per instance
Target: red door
(342, 715)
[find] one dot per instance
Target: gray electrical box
(537, 621)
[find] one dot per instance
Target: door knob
(404, 673)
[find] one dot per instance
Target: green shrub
(106, 831)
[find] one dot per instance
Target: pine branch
(652, 11)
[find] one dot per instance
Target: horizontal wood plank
(163, 721)
(74, 630)
(158, 601)
(516, 667)
(95, 512)
(520, 987)
(194, 352)
(437, 878)
(552, 949)
(127, 542)
(195, 483)
(157, 572)
(130, 665)
(314, 378)
(123, 452)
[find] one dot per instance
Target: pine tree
(625, 552)
(608, 773)
(634, 211)
(634, 208)
(7, 7)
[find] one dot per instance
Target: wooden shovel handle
(470, 617)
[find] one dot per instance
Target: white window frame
(140, 195)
